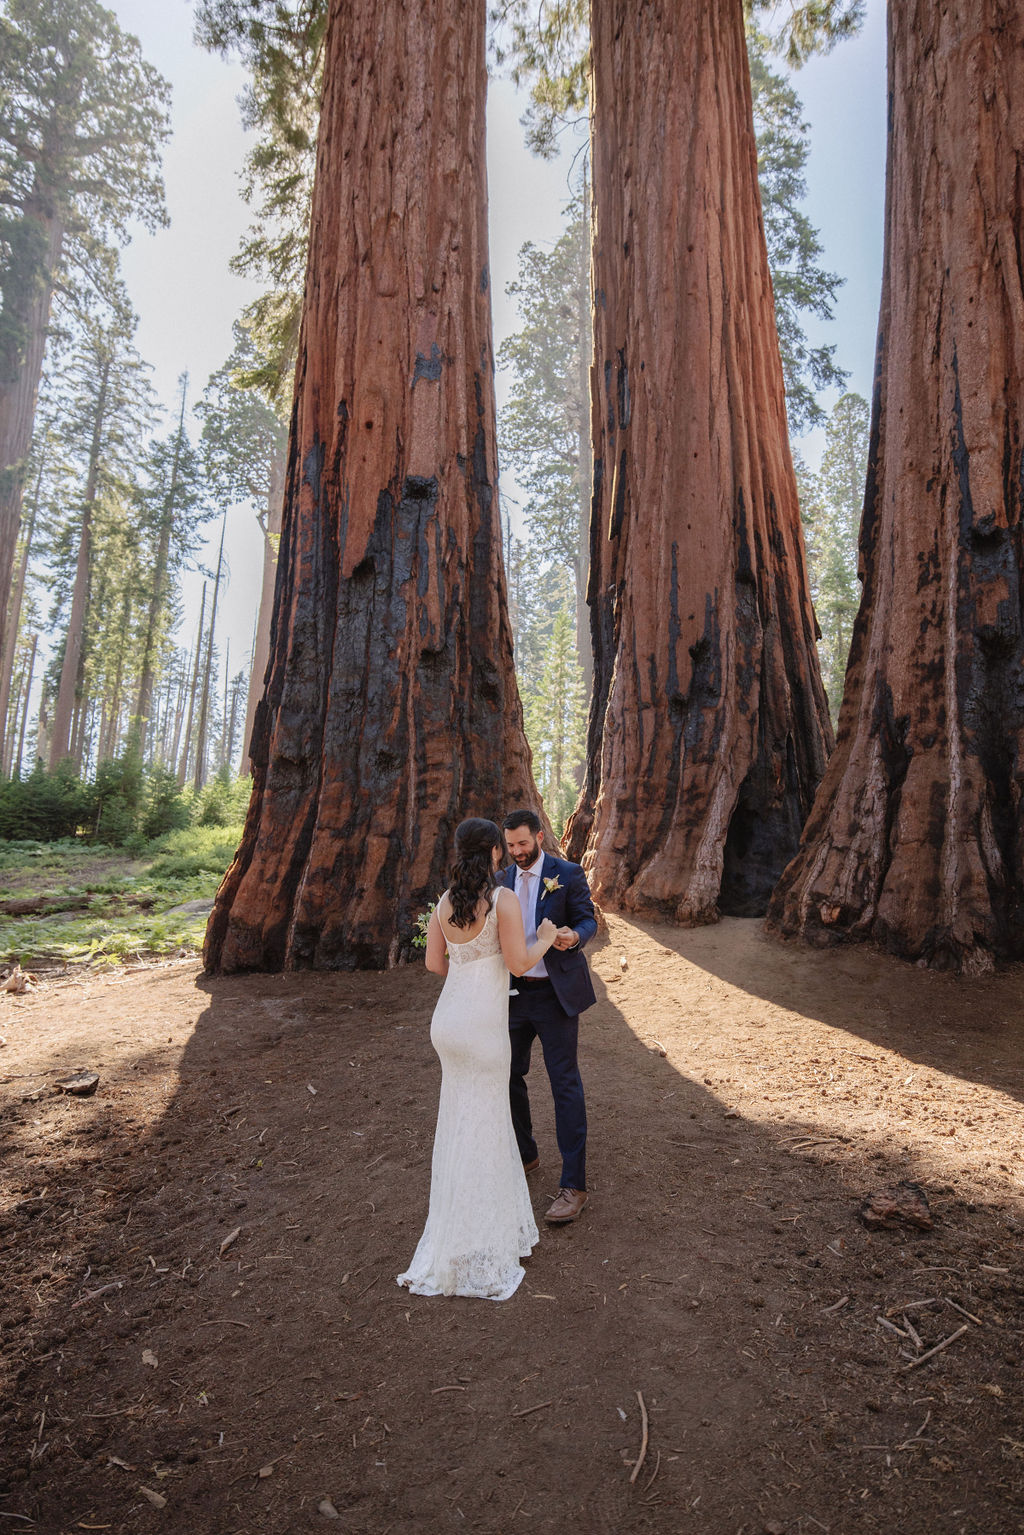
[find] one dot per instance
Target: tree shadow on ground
(967, 1028)
(251, 1228)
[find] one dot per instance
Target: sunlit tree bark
(915, 839)
(391, 709)
(709, 727)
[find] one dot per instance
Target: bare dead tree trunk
(391, 709)
(915, 841)
(709, 726)
(231, 721)
(224, 748)
(175, 721)
(204, 705)
(61, 744)
(187, 743)
(261, 647)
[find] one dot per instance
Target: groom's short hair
(528, 818)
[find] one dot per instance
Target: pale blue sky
(187, 298)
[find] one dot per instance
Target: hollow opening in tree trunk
(761, 840)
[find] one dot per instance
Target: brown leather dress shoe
(531, 1167)
(566, 1207)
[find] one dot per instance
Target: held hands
(547, 933)
(567, 938)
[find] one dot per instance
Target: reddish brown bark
(915, 838)
(709, 726)
(391, 709)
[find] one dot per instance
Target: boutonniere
(551, 885)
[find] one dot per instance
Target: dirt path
(720, 1270)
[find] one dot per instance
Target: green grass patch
(104, 906)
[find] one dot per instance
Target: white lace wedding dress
(480, 1222)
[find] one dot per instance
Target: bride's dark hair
(473, 869)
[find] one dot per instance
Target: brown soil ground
(744, 1097)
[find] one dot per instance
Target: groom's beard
(525, 860)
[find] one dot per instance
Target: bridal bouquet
(419, 939)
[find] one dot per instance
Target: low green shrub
(45, 807)
(125, 806)
(200, 850)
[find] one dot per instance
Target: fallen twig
(524, 1412)
(968, 1314)
(892, 1327)
(266, 1467)
(224, 1321)
(657, 1467)
(231, 1237)
(643, 1438)
(838, 1306)
(118, 1284)
(937, 1349)
(911, 1443)
(436, 1389)
(915, 1336)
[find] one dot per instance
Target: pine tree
(800, 285)
(281, 41)
(556, 718)
(82, 118)
(544, 431)
(832, 552)
(108, 407)
(174, 507)
(244, 445)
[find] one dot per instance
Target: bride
(480, 1221)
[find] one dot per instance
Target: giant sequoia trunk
(709, 727)
(391, 708)
(915, 838)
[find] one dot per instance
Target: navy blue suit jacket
(568, 906)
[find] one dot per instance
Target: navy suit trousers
(537, 1014)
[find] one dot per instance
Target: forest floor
(202, 1332)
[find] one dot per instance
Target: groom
(546, 1002)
